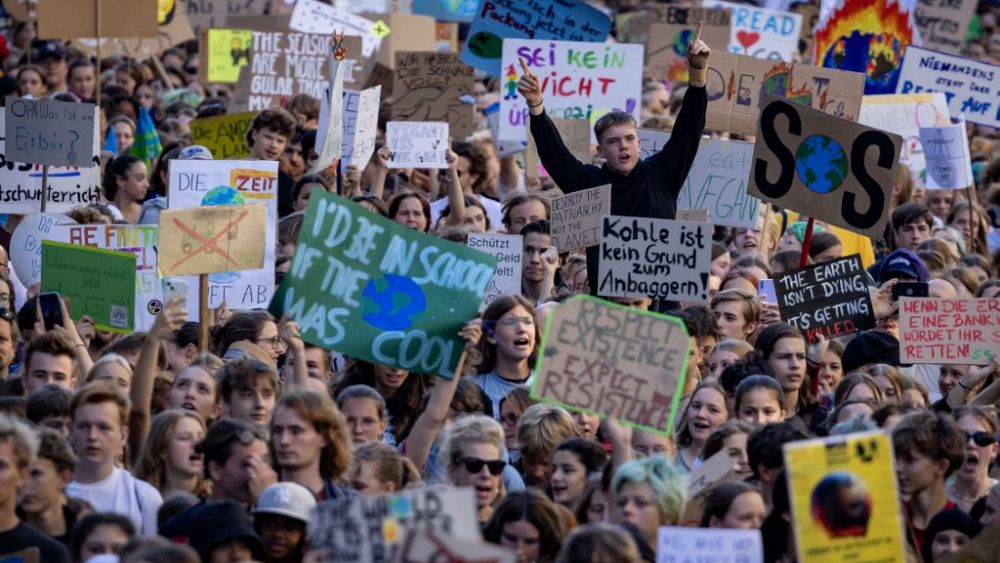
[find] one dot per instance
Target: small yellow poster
(228, 51)
(845, 501)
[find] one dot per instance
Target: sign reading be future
(50, 132)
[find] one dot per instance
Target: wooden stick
(970, 192)
(806, 243)
(763, 235)
(203, 312)
(97, 38)
(45, 187)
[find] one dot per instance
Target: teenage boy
(42, 499)
(267, 136)
(249, 389)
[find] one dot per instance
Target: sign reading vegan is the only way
(403, 294)
(50, 132)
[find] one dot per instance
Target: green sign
(371, 288)
(95, 282)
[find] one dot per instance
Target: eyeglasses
(274, 341)
(475, 465)
(514, 321)
(981, 439)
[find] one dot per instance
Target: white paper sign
(312, 16)
(350, 120)
(508, 250)
(417, 144)
(365, 127)
(904, 115)
(26, 244)
(330, 133)
(50, 132)
(677, 545)
(972, 87)
(762, 33)
(577, 217)
(949, 164)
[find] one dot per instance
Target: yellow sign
(205, 240)
(224, 135)
(845, 503)
(380, 29)
(228, 51)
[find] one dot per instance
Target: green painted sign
(95, 282)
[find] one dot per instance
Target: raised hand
(698, 52)
(529, 86)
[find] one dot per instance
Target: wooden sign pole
(806, 243)
(97, 38)
(203, 312)
(45, 187)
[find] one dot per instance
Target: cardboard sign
(656, 258)
(948, 331)
(580, 81)
(447, 10)
(403, 294)
(508, 250)
(905, 115)
(208, 14)
(371, 528)
(949, 164)
(70, 19)
(670, 34)
(226, 51)
(50, 132)
(677, 545)
(591, 361)
(717, 181)
(97, 283)
(140, 240)
(330, 130)
(365, 129)
(845, 501)
(312, 16)
(577, 217)
(281, 66)
(173, 28)
(828, 168)
(420, 35)
(224, 135)
(762, 33)
(575, 134)
(829, 299)
(713, 471)
(206, 240)
(497, 22)
(196, 183)
(433, 87)
(428, 546)
(972, 87)
(26, 244)
(943, 25)
(414, 144)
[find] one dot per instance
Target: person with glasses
(256, 327)
(972, 480)
(472, 450)
(8, 341)
(366, 413)
(508, 348)
(248, 389)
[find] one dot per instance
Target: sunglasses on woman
(475, 465)
(981, 439)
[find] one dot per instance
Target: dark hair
(765, 343)
(401, 196)
(188, 333)
(788, 259)
(910, 213)
(590, 453)
(776, 530)
(276, 119)
(374, 201)
(86, 526)
(720, 498)
(116, 168)
(470, 201)
(534, 507)
(53, 447)
(52, 343)
(718, 249)
(245, 325)
(477, 162)
(222, 435)
(754, 382)
(131, 345)
(162, 165)
(520, 199)
(717, 439)
(48, 400)
(498, 308)
(305, 104)
(403, 408)
(242, 374)
(611, 119)
(541, 227)
(764, 446)
(308, 179)
(932, 434)
(700, 322)
(823, 241)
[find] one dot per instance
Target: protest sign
(371, 528)
(365, 128)
(579, 80)
(508, 250)
(208, 14)
(497, 21)
(224, 135)
(611, 360)
(70, 19)
(226, 51)
(433, 87)
(281, 66)
(904, 115)
(867, 36)
(96, 283)
(428, 546)
(717, 181)
(330, 129)
(195, 183)
(972, 87)
(713, 471)
(575, 134)
(946, 148)
(355, 269)
(206, 240)
(845, 500)
(948, 331)
(943, 23)
(420, 34)
(656, 258)
(681, 545)
(50, 132)
(69, 187)
(669, 34)
(312, 16)
(446, 10)
(270, 22)
(140, 240)
(26, 244)
(173, 27)
(577, 218)
(762, 33)
(415, 144)
(829, 299)
(830, 168)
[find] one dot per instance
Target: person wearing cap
(221, 532)
(280, 519)
(151, 208)
(51, 57)
(947, 533)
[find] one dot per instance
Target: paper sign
(762, 33)
(228, 50)
(717, 181)
(680, 545)
(577, 217)
(428, 546)
(281, 66)
(50, 132)
(904, 115)
(403, 294)
(713, 471)
(949, 164)
(97, 283)
(943, 24)
(591, 361)
(575, 134)
(70, 19)
(972, 87)
(206, 240)
(330, 133)
(669, 35)
(26, 244)
(446, 10)
(829, 299)
(195, 183)
(365, 128)
(508, 250)
(208, 14)
(224, 135)
(656, 258)
(496, 22)
(414, 144)
(433, 87)
(845, 501)
(579, 80)
(415, 33)
(948, 331)
(312, 16)
(829, 168)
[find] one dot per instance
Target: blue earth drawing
(397, 304)
(821, 164)
(223, 195)
(681, 41)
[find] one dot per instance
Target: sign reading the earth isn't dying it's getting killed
(371, 288)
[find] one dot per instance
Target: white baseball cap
(286, 499)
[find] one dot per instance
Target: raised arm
(456, 197)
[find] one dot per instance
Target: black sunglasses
(475, 465)
(981, 439)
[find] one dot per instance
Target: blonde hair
(751, 306)
(471, 429)
(151, 465)
(110, 358)
(739, 347)
(23, 440)
(390, 467)
(320, 411)
(541, 428)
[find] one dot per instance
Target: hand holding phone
(50, 307)
(910, 289)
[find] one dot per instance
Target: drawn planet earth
(223, 195)
(681, 41)
(397, 304)
(821, 164)
(486, 45)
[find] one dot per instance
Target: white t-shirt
(496, 388)
(123, 494)
(494, 210)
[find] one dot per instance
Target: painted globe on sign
(392, 302)
(681, 41)
(223, 195)
(821, 164)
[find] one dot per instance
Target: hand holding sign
(528, 86)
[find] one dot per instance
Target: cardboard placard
(972, 87)
(210, 14)
(845, 500)
(206, 240)
(715, 470)
(419, 33)
(433, 87)
(675, 545)
(330, 129)
(271, 22)
(656, 258)
(590, 361)
(943, 25)
(224, 135)
(50, 132)
(831, 169)
(281, 66)
(575, 135)
(949, 164)
(71, 19)
(312, 16)
(226, 52)
(904, 115)
(26, 244)
(364, 129)
(829, 299)
(577, 217)
(497, 22)
(508, 250)
(579, 80)
(404, 294)
(428, 546)
(948, 331)
(97, 283)
(670, 34)
(173, 28)
(415, 144)
(760, 32)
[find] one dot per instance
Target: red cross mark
(208, 243)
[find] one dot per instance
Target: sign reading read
(50, 132)
(612, 360)
(829, 299)
(948, 331)
(972, 87)
(577, 217)
(762, 33)
(97, 283)
(431, 86)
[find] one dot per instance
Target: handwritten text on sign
(312, 16)
(508, 250)
(615, 361)
(972, 87)
(224, 135)
(431, 86)
(50, 132)
(577, 217)
(762, 33)
(948, 331)
(415, 144)
(678, 545)
(283, 65)
(829, 299)
(656, 258)
(904, 115)
(98, 283)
